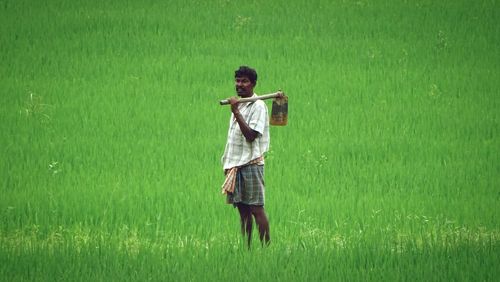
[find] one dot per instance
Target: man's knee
(258, 211)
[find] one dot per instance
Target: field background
(112, 136)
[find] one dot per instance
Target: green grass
(112, 136)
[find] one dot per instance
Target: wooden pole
(253, 99)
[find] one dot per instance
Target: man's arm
(249, 133)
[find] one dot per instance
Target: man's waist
(257, 161)
(241, 163)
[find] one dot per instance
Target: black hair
(248, 72)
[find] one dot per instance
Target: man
(243, 159)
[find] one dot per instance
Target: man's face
(244, 87)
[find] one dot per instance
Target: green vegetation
(112, 136)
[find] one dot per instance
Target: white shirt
(238, 150)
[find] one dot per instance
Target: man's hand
(249, 133)
(234, 105)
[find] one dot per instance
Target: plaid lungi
(249, 188)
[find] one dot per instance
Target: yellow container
(279, 112)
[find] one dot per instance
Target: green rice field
(111, 138)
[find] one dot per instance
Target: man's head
(245, 79)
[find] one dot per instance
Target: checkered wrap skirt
(249, 188)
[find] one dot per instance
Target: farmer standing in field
(243, 159)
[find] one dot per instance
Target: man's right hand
(234, 105)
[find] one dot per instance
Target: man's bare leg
(246, 221)
(262, 222)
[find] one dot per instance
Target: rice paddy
(388, 169)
